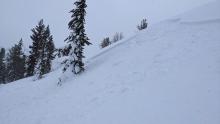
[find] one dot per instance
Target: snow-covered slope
(168, 74)
(209, 12)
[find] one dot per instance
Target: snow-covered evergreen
(41, 53)
(77, 39)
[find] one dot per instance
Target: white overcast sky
(104, 17)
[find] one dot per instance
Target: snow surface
(209, 12)
(168, 74)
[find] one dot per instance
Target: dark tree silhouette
(77, 39)
(2, 66)
(16, 62)
(41, 53)
(143, 25)
(106, 42)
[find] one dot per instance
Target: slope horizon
(96, 20)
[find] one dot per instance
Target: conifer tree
(50, 49)
(2, 66)
(41, 53)
(36, 48)
(77, 39)
(16, 62)
(46, 55)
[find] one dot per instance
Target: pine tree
(16, 62)
(77, 39)
(36, 47)
(2, 66)
(46, 55)
(41, 53)
(50, 49)
(39, 69)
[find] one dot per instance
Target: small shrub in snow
(106, 42)
(143, 25)
(117, 37)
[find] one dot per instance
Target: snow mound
(168, 74)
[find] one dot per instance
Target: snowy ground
(168, 74)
